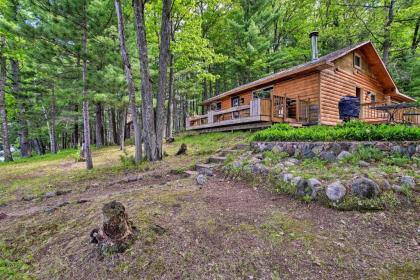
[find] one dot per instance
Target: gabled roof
(321, 63)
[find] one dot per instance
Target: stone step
(242, 146)
(224, 153)
(216, 159)
(205, 168)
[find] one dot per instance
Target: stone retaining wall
(311, 149)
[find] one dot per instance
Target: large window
(216, 106)
(236, 101)
(262, 93)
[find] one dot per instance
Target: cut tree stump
(117, 232)
(182, 150)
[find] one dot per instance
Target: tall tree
(3, 113)
(130, 84)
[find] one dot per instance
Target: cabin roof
(321, 63)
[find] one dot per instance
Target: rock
(294, 160)
(50, 210)
(363, 163)
(411, 150)
(303, 188)
(236, 164)
(384, 184)
(335, 191)
(295, 180)
(3, 216)
(335, 148)
(328, 156)
(241, 146)
(287, 177)
(259, 169)
(317, 149)
(50, 194)
(259, 156)
(308, 153)
(276, 149)
(81, 201)
(28, 197)
(201, 179)
(364, 187)
(315, 186)
(216, 159)
(288, 163)
(408, 181)
(343, 155)
(205, 169)
(397, 188)
(117, 232)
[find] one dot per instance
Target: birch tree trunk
(86, 124)
(130, 83)
(148, 115)
(3, 113)
(165, 39)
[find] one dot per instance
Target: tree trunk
(171, 102)
(3, 113)
(25, 147)
(113, 126)
(165, 39)
(387, 35)
(130, 83)
(416, 37)
(99, 126)
(86, 124)
(148, 115)
(123, 124)
(76, 128)
(52, 133)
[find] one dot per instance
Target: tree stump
(117, 232)
(182, 150)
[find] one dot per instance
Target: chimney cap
(313, 33)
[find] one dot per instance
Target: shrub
(127, 160)
(350, 131)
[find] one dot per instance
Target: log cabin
(308, 94)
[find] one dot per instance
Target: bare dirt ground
(224, 230)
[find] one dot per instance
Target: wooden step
(216, 159)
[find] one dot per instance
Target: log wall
(342, 81)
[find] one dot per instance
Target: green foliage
(11, 268)
(387, 200)
(127, 160)
(272, 158)
(351, 131)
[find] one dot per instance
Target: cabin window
(263, 93)
(357, 61)
(236, 115)
(236, 101)
(216, 106)
(372, 96)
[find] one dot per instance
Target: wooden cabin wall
(306, 88)
(342, 81)
(226, 102)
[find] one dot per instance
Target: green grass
(62, 154)
(351, 131)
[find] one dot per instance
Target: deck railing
(237, 114)
(370, 112)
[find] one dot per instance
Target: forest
(89, 72)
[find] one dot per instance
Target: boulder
(308, 153)
(205, 169)
(411, 150)
(287, 177)
(408, 181)
(50, 194)
(363, 163)
(399, 150)
(335, 148)
(343, 155)
(201, 179)
(315, 186)
(259, 169)
(335, 191)
(397, 188)
(384, 184)
(328, 156)
(295, 180)
(303, 188)
(276, 149)
(364, 187)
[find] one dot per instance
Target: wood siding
(306, 87)
(342, 81)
